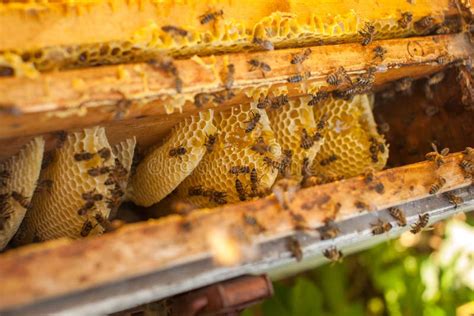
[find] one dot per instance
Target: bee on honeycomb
(23, 171)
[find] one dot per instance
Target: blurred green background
(431, 273)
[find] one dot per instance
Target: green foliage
(386, 280)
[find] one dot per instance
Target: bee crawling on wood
(210, 16)
(338, 76)
(333, 254)
(294, 247)
(422, 222)
(379, 52)
(300, 57)
(318, 97)
(299, 77)
(83, 156)
(380, 227)
(454, 199)
(367, 34)
(467, 166)
(436, 156)
(239, 188)
(174, 30)
(260, 146)
(306, 140)
(439, 183)
(406, 19)
(229, 80)
(398, 214)
(177, 151)
(239, 169)
(263, 43)
(252, 123)
(256, 64)
(210, 142)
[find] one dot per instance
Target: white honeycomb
(23, 171)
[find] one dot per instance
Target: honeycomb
(160, 173)
(234, 148)
(142, 37)
(23, 169)
(350, 137)
(54, 211)
(289, 122)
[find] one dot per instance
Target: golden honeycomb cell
(21, 173)
(234, 149)
(146, 30)
(349, 139)
(161, 171)
(55, 211)
(291, 124)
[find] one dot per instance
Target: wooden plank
(59, 267)
(76, 99)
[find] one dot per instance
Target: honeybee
(167, 65)
(254, 181)
(173, 30)
(379, 52)
(97, 171)
(252, 221)
(329, 231)
(299, 77)
(398, 214)
(265, 44)
(306, 141)
(299, 222)
(423, 220)
(328, 160)
(61, 137)
(425, 23)
(6, 71)
(406, 19)
(92, 196)
(105, 153)
(210, 16)
(469, 151)
(367, 34)
(196, 190)
(210, 142)
(285, 162)
(318, 97)
(279, 101)
(264, 102)
(322, 123)
(338, 76)
(435, 187)
(369, 176)
(83, 156)
(239, 169)
(333, 254)
(380, 227)
(404, 85)
(45, 184)
(117, 174)
(294, 247)
(454, 199)
(218, 197)
(177, 151)
(256, 64)
(467, 166)
(86, 229)
(252, 123)
(284, 191)
(21, 199)
(229, 81)
(89, 205)
(240, 190)
(437, 157)
(308, 178)
(361, 205)
(104, 223)
(4, 176)
(300, 57)
(202, 98)
(260, 146)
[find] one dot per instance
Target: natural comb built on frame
(179, 115)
